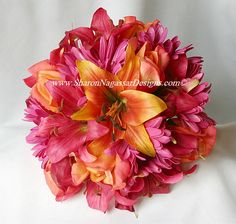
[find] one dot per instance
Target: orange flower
(42, 72)
(123, 109)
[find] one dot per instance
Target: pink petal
(179, 66)
(102, 23)
(170, 179)
(123, 200)
(95, 130)
(154, 123)
(121, 172)
(185, 102)
(99, 195)
(85, 155)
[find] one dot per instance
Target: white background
(29, 29)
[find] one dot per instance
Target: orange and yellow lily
(122, 108)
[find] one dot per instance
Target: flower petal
(102, 23)
(104, 162)
(130, 70)
(97, 146)
(95, 130)
(88, 112)
(139, 139)
(96, 91)
(99, 195)
(79, 172)
(140, 106)
(123, 200)
(207, 142)
(121, 172)
(40, 91)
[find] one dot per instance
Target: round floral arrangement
(119, 112)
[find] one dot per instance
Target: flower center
(114, 110)
(112, 113)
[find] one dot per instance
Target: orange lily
(123, 109)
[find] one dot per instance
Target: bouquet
(118, 112)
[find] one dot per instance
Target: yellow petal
(140, 106)
(188, 86)
(139, 139)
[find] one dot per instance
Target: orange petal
(96, 91)
(141, 53)
(40, 91)
(103, 163)
(140, 106)
(149, 71)
(139, 139)
(135, 27)
(41, 66)
(97, 146)
(130, 70)
(88, 112)
(51, 184)
(79, 172)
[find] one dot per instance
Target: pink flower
(59, 179)
(70, 98)
(57, 136)
(34, 111)
(108, 55)
(154, 35)
(189, 145)
(99, 197)
(40, 145)
(66, 136)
